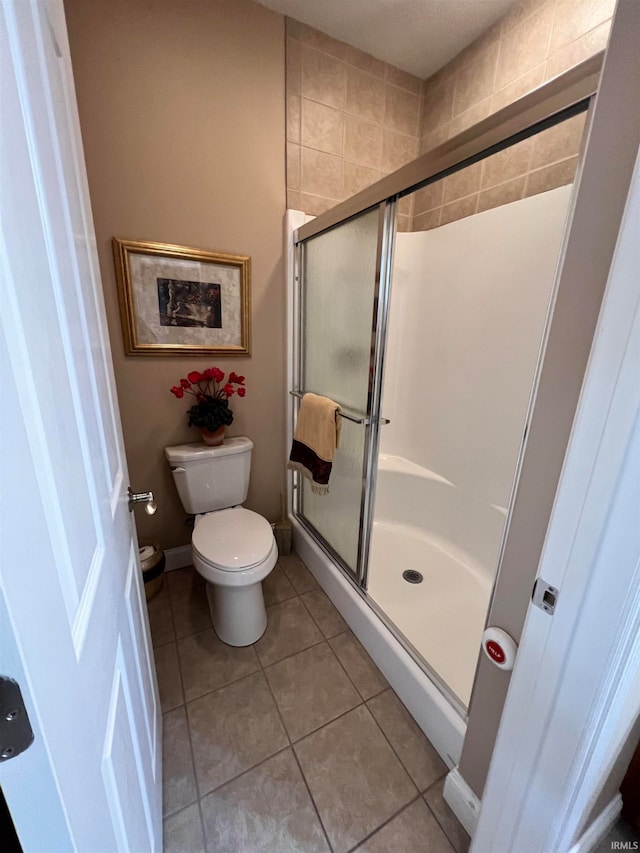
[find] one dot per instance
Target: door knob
(150, 506)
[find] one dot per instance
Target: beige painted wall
(182, 115)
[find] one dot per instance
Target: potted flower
(211, 412)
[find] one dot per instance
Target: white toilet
(233, 548)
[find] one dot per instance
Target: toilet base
(238, 613)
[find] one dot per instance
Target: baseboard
(598, 828)
(177, 558)
(462, 801)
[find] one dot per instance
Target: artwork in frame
(175, 300)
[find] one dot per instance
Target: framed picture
(176, 300)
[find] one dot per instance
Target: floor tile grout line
(173, 813)
(439, 822)
(344, 669)
(244, 772)
(191, 752)
(383, 824)
(328, 723)
(311, 797)
(393, 749)
(295, 758)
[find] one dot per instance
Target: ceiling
(418, 36)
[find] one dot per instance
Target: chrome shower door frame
(371, 419)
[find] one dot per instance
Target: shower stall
(430, 341)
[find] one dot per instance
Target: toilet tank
(210, 478)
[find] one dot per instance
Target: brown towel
(315, 440)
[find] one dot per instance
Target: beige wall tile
(365, 94)
(403, 79)
(470, 117)
(437, 101)
(293, 200)
(362, 141)
(579, 50)
(321, 174)
(293, 166)
(523, 10)
(573, 18)
(558, 143)
(322, 127)
(527, 83)
(551, 177)
(428, 197)
(508, 164)
(524, 46)
(502, 194)
(459, 209)
(427, 221)
(475, 76)
(356, 177)
(436, 137)
(294, 66)
(402, 110)
(405, 206)
(323, 77)
(366, 62)
(462, 183)
(315, 205)
(403, 223)
(397, 150)
(322, 41)
(293, 117)
(293, 28)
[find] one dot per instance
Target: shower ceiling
(418, 36)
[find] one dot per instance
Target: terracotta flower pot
(213, 439)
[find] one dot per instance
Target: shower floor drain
(411, 576)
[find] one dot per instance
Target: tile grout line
(295, 757)
(193, 761)
(383, 824)
(442, 827)
(393, 749)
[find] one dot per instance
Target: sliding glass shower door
(339, 290)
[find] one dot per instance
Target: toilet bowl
(234, 550)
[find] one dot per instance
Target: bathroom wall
(533, 43)
(182, 115)
(351, 119)
(468, 304)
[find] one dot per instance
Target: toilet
(233, 548)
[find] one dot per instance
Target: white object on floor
(233, 548)
(461, 800)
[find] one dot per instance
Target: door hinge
(16, 733)
(545, 596)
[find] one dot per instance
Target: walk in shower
(429, 338)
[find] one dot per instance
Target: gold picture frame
(176, 300)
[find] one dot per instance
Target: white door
(73, 624)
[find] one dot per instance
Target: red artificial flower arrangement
(211, 409)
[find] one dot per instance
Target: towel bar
(356, 419)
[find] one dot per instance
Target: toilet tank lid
(196, 450)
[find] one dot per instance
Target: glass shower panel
(473, 275)
(338, 299)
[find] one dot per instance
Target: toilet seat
(232, 540)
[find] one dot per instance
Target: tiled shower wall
(351, 119)
(536, 41)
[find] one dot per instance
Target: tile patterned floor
(296, 743)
